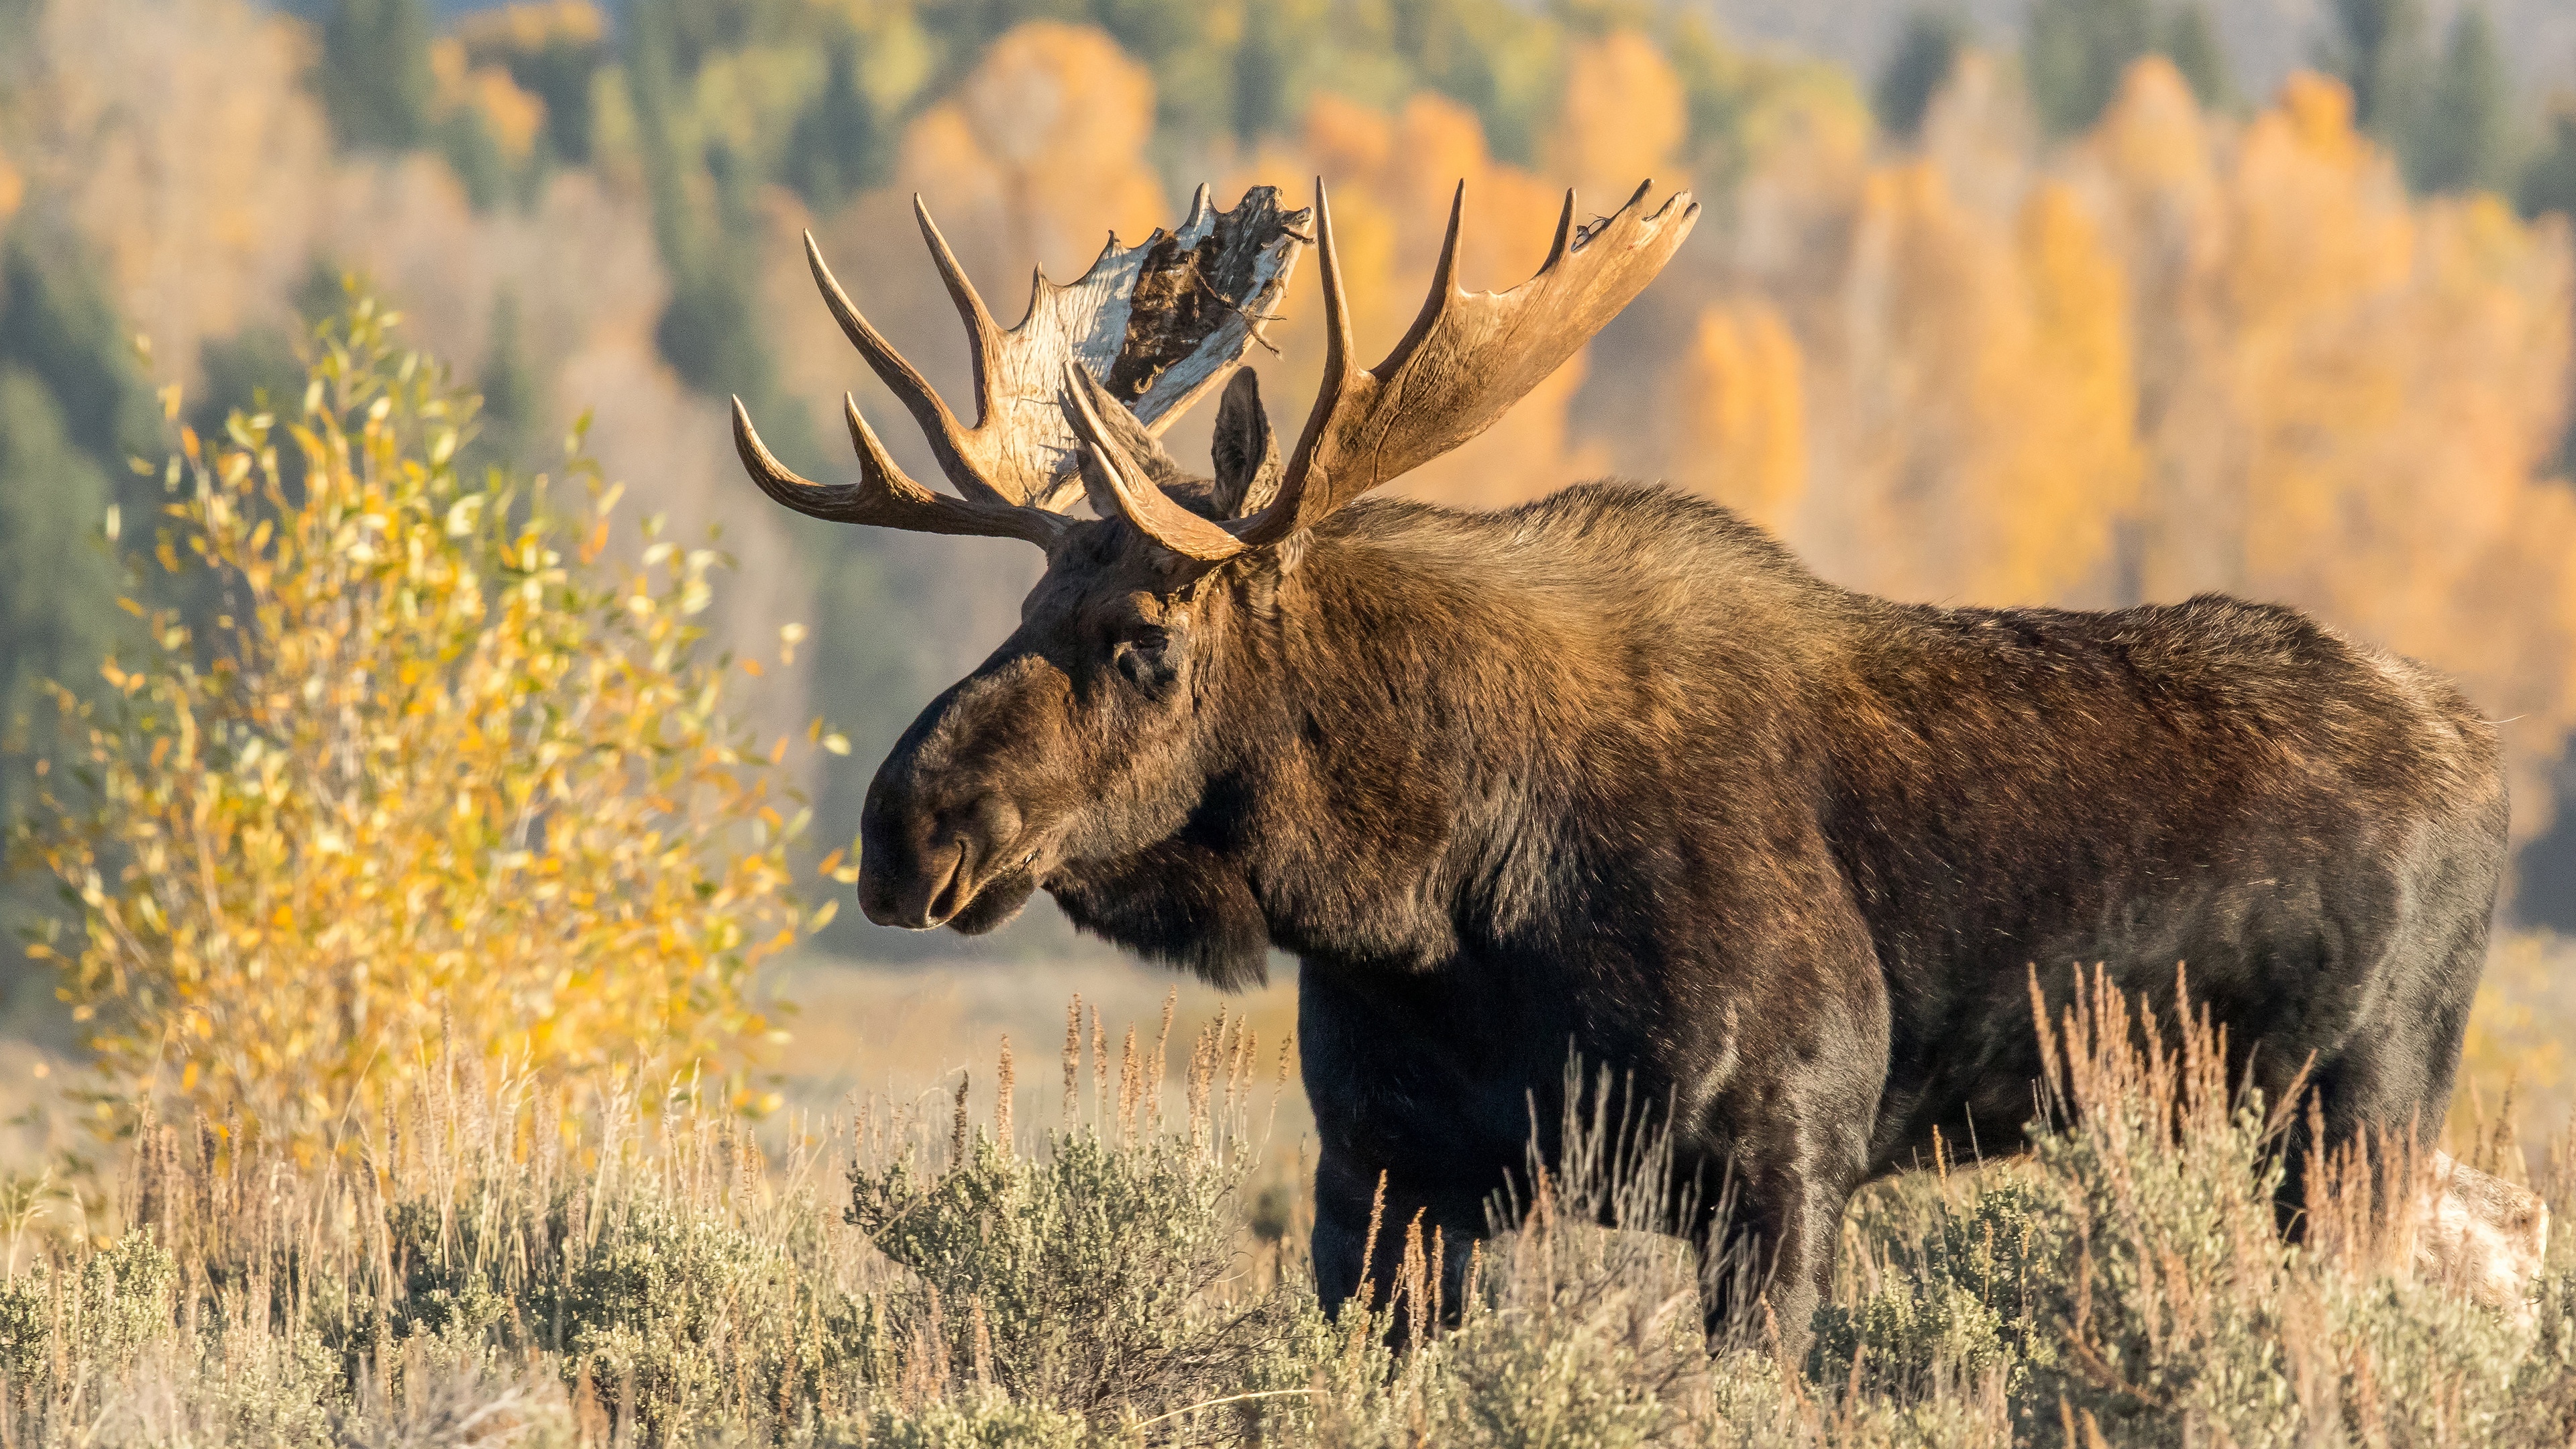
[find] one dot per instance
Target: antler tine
(884, 495)
(947, 438)
(1564, 240)
(983, 333)
(1282, 516)
(1444, 273)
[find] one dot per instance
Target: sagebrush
(489, 1270)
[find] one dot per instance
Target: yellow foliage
(433, 781)
(1994, 356)
(1624, 117)
(1738, 414)
(2072, 465)
(2181, 356)
(2152, 135)
(13, 189)
(2355, 395)
(528, 28)
(181, 143)
(1041, 151)
(511, 115)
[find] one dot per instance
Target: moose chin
(1611, 773)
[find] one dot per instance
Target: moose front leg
(1767, 1263)
(1348, 1198)
(1792, 1145)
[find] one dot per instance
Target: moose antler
(1156, 325)
(1467, 358)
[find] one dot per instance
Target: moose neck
(1410, 735)
(1405, 746)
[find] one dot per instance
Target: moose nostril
(933, 862)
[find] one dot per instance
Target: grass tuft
(489, 1273)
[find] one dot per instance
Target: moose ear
(1247, 455)
(1141, 446)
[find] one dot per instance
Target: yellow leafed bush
(418, 771)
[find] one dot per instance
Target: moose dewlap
(1612, 773)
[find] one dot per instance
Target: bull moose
(1612, 772)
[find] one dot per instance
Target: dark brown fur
(1612, 773)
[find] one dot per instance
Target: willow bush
(420, 767)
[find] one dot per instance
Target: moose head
(1106, 721)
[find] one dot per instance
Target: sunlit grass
(1101, 1264)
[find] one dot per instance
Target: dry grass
(1099, 1264)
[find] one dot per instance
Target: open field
(1113, 1272)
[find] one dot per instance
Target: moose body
(1611, 774)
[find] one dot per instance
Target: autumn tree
(488, 128)
(1623, 118)
(1735, 414)
(553, 50)
(436, 782)
(2352, 398)
(179, 150)
(1992, 361)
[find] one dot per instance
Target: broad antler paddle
(1150, 328)
(1467, 358)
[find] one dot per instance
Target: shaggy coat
(1611, 773)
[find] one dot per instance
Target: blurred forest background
(2072, 301)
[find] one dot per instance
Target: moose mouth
(972, 906)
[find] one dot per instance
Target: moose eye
(1145, 657)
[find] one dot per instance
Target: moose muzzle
(920, 867)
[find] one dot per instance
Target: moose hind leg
(2388, 1084)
